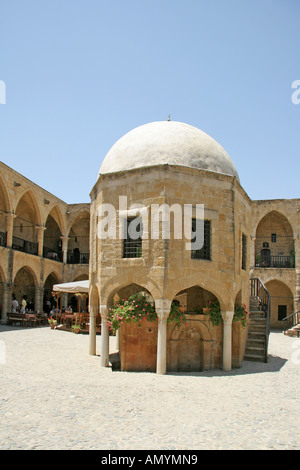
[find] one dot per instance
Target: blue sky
(79, 74)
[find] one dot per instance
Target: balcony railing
(24, 245)
(3, 238)
(50, 253)
(279, 261)
(78, 258)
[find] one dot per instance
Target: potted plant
(136, 308)
(240, 314)
(76, 328)
(214, 312)
(52, 322)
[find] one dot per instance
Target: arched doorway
(282, 302)
(52, 237)
(24, 285)
(196, 345)
(48, 301)
(79, 236)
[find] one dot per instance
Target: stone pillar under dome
(163, 307)
(227, 340)
(104, 345)
(92, 330)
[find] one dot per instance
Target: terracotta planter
(205, 310)
(52, 326)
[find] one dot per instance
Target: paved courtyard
(53, 395)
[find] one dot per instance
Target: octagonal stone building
(174, 165)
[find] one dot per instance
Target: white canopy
(79, 287)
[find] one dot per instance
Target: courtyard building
(148, 176)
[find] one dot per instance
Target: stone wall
(194, 347)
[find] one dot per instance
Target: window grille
(132, 247)
(244, 251)
(205, 251)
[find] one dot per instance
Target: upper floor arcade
(36, 222)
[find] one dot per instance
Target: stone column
(297, 268)
(104, 344)
(65, 240)
(6, 301)
(227, 340)
(92, 330)
(38, 299)
(40, 229)
(9, 229)
(163, 307)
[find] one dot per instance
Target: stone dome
(167, 143)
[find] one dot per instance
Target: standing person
(23, 303)
(14, 305)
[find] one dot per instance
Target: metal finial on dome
(169, 118)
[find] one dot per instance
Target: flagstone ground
(54, 395)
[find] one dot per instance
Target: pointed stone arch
(30, 199)
(52, 234)
(282, 301)
(51, 279)
(274, 241)
(122, 280)
(78, 233)
(275, 213)
(25, 283)
(5, 201)
(57, 215)
(213, 286)
(27, 220)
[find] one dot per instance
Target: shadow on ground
(274, 364)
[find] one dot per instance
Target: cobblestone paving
(53, 395)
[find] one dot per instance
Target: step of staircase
(294, 331)
(256, 341)
(254, 356)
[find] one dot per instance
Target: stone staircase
(256, 341)
(293, 331)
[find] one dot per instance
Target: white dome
(167, 143)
